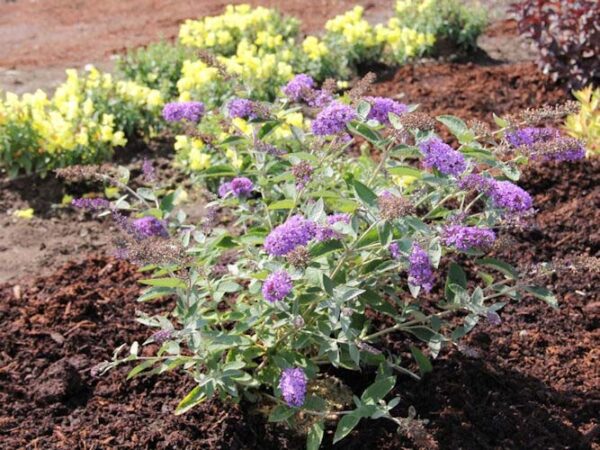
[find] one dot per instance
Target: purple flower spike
(92, 204)
(178, 111)
(510, 197)
(242, 108)
(238, 187)
(420, 272)
(297, 88)
(531, 135)
(149, 227)
(394, 250)
(333, 119)
(465, 238)
(340, 217)
(381, 107)
(277, 286)
(293, 383)
(296, 231)
(443, 157)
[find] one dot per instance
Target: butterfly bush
(309, 253)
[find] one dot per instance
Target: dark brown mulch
(472, 91)
(531, 382)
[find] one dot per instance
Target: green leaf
(500, 266)
(195, 397)
(280, 413)
(405, 171)
(456, 276)
(345, 426)
(378, 390)
(323, 248)
(363, 130)
(220, 170)
(457, 127)
(315, 436)
(267, 128)
(365, 194)
(363, 109)
(140, 368)
(327, 284)
(154, 293)
(422, 360)
(165, 282)
(282, 204)
(543, 294)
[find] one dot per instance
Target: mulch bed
(531, 382)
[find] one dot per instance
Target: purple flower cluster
(277, 286)
(149, 226)
(293, 386)
(92, 204)
(339, 217)
(531, 135)
(420, 272)
(148, 171)
(238, 187)
(297, 88)
(475, 182)
(394, 250)
(444, 158)
(465, 238)
(319, 98)
(547, 143)
(294, 232)
(381, 107)
(242, 108)
(178, 111)
(509, 196)
(333, 119)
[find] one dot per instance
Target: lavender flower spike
(277, 286)
(241, 107)
(296, 231)
(381, 107)
(91, 203)
(178, 111)
(238, 187)
(298, 87)
(465, 238)
(333, 119)
(443, 157)
(149, 227)
(420, 272)
(510, 197)
(293, 383)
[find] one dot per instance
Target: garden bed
(527, 383)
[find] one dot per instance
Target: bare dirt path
(39, 39)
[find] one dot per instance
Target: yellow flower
(314, 48)
(403, 180)
(199, 160)
(24, 213)
(118, 139)
(232, 155)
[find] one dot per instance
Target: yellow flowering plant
(452, 22)
(585, 124)
(86, 118)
